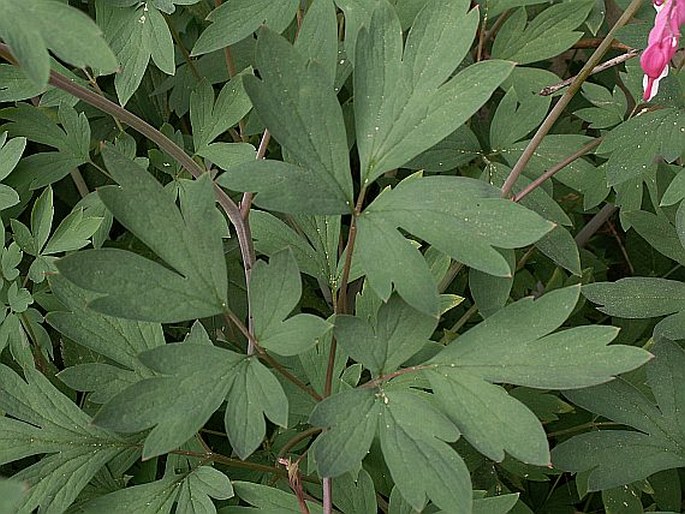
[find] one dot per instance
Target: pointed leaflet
(515, 346)
(275, 289)
(255, 392)
(28, 28)
(194, 381)
(119, 340)
(397, 333)
(72, 141)
(268, 500)
(548, 34)
(413, 437)
(235, 20)
(210, 119)
(643, 297)
(299, 107)
(619, 457)
(402, 107)
(136, 33)
(190, 491)
(188, 241)
(318, 37)
(462, 217)
(44, 421)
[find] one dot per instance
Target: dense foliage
(350, 256)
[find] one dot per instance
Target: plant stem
(80, 184)
(549, 90)
(246, 202)
(555, 169)
(184, 51)
(263, 355)
(556, 111)
(301, 436)
(592, 226)
(404, 371)
(237, 463)
(242, 228)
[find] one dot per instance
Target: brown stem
(301, 436)
(556, 169)
(177, 153)
(246, 202)
(263, 355)
(556, 111)
(404, 371)
(550, 90)
(594, 42)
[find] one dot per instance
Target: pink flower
(663, 44)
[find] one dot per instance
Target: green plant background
(339, 256)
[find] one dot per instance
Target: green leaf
(609, 106)
(254, 393)
(460, 147)
(235, 20)
(194, 381)
(352, 417)
(355, 494)
(268, 500)
(228, 155)
(643, 297)
(402, 107)
(135, 33)
(489, 292)
(658, 231)
(272, 235)
(72, 141)
(190, 492)
(618, 457)
(117, 339)
(515, 346)
(318, 37)
(28, 27)
(275, 289)
(210, 119)
(462, 217)
(631, 152)
(188, 241)
(299, 107)
(560, 246)
(383, 343)
(413, 437)
(46, 422)
(549, 34)
(10, 153)
(73, 233)
(11, 493)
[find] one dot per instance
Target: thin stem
(184, 51)
(592, 226)
(404, 371)
(549, 90)
(263, 355)
(584, 426)
(246, 202)
(449, 337)
(237, 463)
(80, 184)
(452, 272)
(327, 495)
(301, 436)
(176, 152)
(556, 111)
(555, 169)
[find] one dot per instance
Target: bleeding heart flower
(663, 44)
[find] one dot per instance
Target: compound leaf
(44, 421)
(275, 289)
(462, 217)
(187, 240)
(618, 457)
(28, 27)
